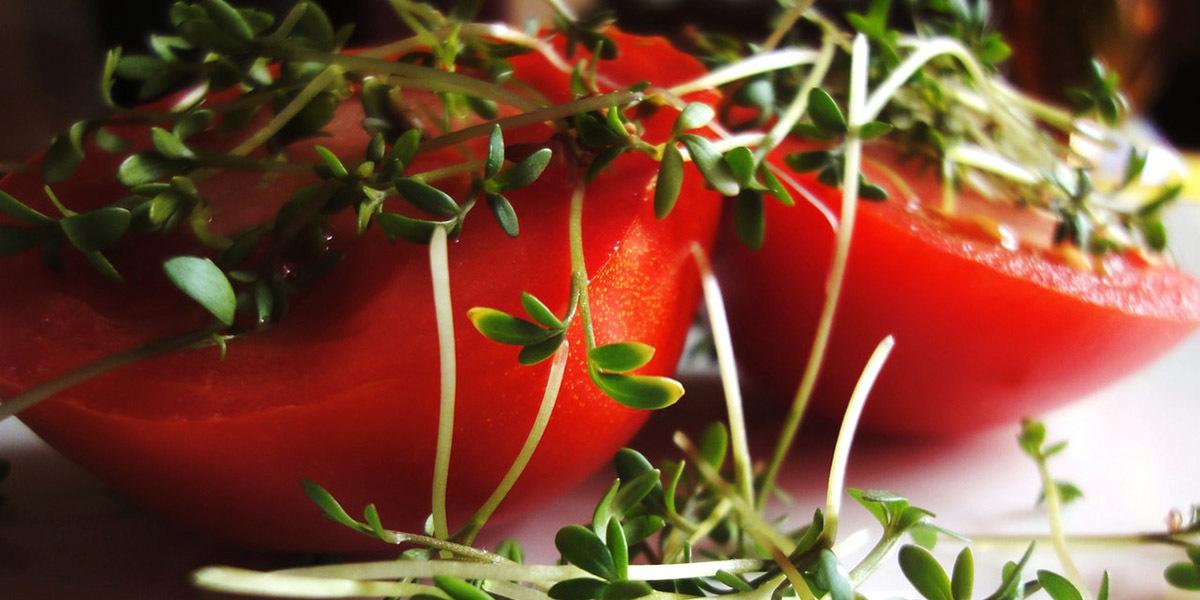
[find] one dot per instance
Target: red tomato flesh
(984, 335)
(345, 391)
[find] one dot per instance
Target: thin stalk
(800, 103)
(439, 269)
(447, 547)
(785, 24)
(194, 339)
(306, 94)
(874, 558)
(513, 591)
(510, 571)
(754, 65)
(418, 77)
(553, 384)
(841, 451)
(440, 173)
(543, 115)
(231, 580)
(1058, 537)
(1098, 540)
(837, 270)
(719, 324)
(579, 275)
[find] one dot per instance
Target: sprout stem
(439, 270)
(553, 384)
(318, 84)
(719, 322)
(785, 24)
(579, 275)
(194, 339)
(759, 63)
(1058, 536)
(841, 450)
(837, 271)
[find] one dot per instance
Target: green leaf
(924, 573)
(332, 162)
(711, 164)
(584, 549)
(874, 129)
(626, 590)
(733, 581)
(831, 577)
(504, 328)
(614, 538)
(741, 164)
(193, 122)
(406, 146)
(204, 282)
(621, 357)
(371, 518)
(524, 172)
(309, 121)
(825, 112)
(749, 220)
(229, 19)
(483, 107)
(97, 229)
(315, 26)
(505, 215)
(582, 588)
(145, 167)
(1057, 586)
(803, 162)
(644, 392)
(398, 226)
(264, 302)
(632, 491)
(637, 529)
(459, 589)
(602, 160)
(536, 353)
(669, 181)
(539, 312)
(714, 444)
(630, 463)
(1033, 435)
(427, 197)
(774, 187)
(511, 549)
(15, 208)
(1183, 575)
(962, 583)
(109, 141)
(693, 116)
(65, 154)
(1102, 594)
(604, 508)
(330, 506)
(495, 158)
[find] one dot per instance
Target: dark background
(52, 49)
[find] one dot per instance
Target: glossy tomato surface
(985, 335)
(344, 392)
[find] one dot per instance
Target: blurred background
(51, 53)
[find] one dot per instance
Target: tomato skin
(345, 391)
(984, 335)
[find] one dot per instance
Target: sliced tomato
(344, 392)
(984, 334)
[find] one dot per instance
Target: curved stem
(800, 103)
(306, 94)
(785, 24)
(440, 173)
(553, 384)
(439, 269)
(719, 324)
(28, 398)
(231, 580)
(837, 271)
(759, 63)
(841, 450)
(579, 275)
(553, 113)
(1058, 537)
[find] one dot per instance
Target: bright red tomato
(984, 335)
(345, 391)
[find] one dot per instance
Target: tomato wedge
(984, 334)
(344, 392)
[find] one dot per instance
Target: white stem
(841, 451)
(785, 24)
(404, 569)
(231, 580)
(439, 269)
(719, 322)
(759, 63)
(975, 156)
